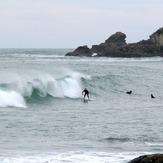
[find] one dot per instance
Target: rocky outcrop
(116, 46)
(114, 41)
(154, 158)
(81, 51)
(157, 37)
(141, 49)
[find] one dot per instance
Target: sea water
(44, 119)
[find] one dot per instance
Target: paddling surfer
(152, 96)
(129, 92)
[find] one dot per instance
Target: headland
(116, 46)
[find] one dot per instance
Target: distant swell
(113, 140)
(145, 140)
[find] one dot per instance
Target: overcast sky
(72, 23)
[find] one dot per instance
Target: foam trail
(11, 98)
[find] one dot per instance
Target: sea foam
(16, 87)
(11, 98)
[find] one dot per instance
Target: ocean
(44, 119)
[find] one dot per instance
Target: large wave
(15, 88)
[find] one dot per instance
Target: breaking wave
(11, 98)
(15, 88)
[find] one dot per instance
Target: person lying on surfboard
(86, 93)
(152, 96)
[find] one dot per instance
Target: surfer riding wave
(86, 93)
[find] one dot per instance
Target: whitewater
(44, 119)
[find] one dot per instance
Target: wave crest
(21, 86)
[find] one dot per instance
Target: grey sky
(71, 23)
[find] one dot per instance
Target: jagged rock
(114, 41)
(116, 46)
(154, 158)
(81, 51)
(141, 49)
(157, 37)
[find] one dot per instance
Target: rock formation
(81, 51)
(116, 46)
(154, 158)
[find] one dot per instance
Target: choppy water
(43, 117)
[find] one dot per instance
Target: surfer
(152, 96)
(129, 92)
(86, 93)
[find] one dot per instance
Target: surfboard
(88, 99)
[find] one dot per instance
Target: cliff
(116, 46)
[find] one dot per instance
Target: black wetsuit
(129, 92)
(152, 96)
(85, 93)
